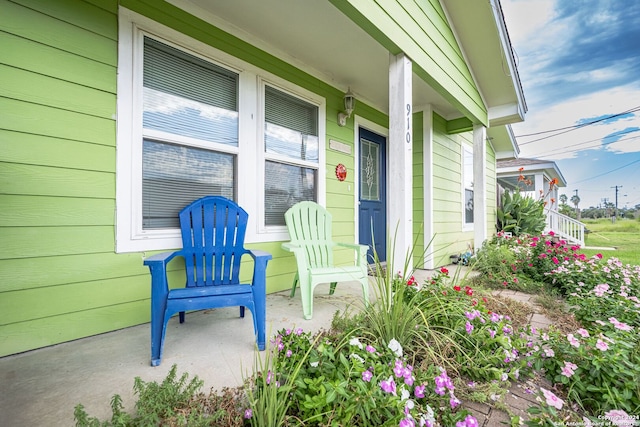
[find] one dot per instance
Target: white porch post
(479, 185)
(399, 192)
(538, 185)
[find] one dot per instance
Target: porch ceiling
(317, 38)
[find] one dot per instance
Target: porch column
(538, 181)
(479, 185)
(399, 192)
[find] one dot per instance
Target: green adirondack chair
(309, 226)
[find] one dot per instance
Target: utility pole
(615, 213)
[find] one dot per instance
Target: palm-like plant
(575, 199)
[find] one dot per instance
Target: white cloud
(573, 111)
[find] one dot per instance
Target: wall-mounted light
(349, 105)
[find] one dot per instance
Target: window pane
(188, 96)
(290, 143)
(286, 185)
(369, 170)
(173, 176)
(468, 186)
(468, 206)
(291, 126)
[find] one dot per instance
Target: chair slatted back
(309, 226)
(213, 230)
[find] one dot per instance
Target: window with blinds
(193, 101)
(291, 150)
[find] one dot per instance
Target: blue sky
(579, 63)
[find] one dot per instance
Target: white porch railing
(566, 227)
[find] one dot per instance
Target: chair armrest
(290, 247)
(158, 267)
(258, 255)
(260, 260)
(161, 259)
(353, 246)
(361, 250)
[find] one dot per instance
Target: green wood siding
(420, 29)
(492, 183)
(418, 191)
(447, 192)
(59, 276)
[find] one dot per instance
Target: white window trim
(466, 226)
(130, 237)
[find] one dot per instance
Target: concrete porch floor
(42, 387)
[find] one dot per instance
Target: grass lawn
(623, 235)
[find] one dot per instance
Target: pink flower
(366, 376)
(601, 289)
(583, 332)
(573, 341)
(407, 422)
(620, 325)
(388, 385)
(248, 413)
(469, 327)
(398, 370)
(549, 352)
(470, 421)
(568, 369)
(552, 399)
(454, 401)
(618, 417)
(623, 326)
(370, 349)
(419, 391)
(602, 346)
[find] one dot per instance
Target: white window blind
(185, 96)
(291, 132)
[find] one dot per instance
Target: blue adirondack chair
(213, 230)
(309, 226)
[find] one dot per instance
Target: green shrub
(175, 401)
(520, 214)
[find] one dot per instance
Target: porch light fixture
(349, 105)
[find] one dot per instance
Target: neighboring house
(114, 114)
(534, 177)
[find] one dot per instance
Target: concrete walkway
(42, 387)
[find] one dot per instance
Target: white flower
(404, 394)
(356, 342)
(314, 364)
(357, 357)
(395, 347)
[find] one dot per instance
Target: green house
(116, 113)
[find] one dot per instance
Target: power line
(606, 173)
(556, 152)
(570, 128)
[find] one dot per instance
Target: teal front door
(372, 177)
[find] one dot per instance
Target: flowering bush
(489, 347)
(354, 383)
(599, 368)
(601, 289)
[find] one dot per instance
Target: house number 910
(408, 134)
